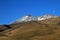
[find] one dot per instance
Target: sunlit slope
(34, 30)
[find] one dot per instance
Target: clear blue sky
(10, 10)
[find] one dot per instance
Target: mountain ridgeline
(45, 27)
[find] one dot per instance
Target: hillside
(33, 30)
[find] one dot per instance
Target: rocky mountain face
(45, 27)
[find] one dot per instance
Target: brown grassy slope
(35, 30)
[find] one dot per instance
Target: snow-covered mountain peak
(47, 16)
(34, 18)
(26, 18)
